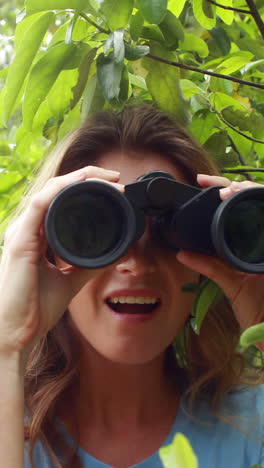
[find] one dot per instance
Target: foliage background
(61, 60)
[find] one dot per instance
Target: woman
(94, 370)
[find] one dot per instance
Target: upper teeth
(133, 300)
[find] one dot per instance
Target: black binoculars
(91, 224)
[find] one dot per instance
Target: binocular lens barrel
(238, 230)
(90, 224)
(244, 234)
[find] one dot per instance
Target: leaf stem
(205, 72)
(94, 24)
(238, 10)
(256, 16)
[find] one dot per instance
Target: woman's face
(134, 333)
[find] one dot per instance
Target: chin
(132, 356)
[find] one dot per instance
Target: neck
(112, 395)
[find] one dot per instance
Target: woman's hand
(245, 291)
(35, 293)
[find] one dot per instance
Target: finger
(236, 187)
(41, 201)
(206, 180)
(215, 269)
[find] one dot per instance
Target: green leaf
(109, 75)
(221, 38)
(252, 335)
(22, 62)
(226, 15)
(209, 294)
(204, 12)
(233, 64)
(193, 43)
(61, 94)
(163, 84)
(176, 6)
(71, 121)
(119, 46)
(252, 122)
(255, 46)
(152, 32)
(93, 99)
(136, 25)
(135, 52)
(42, 78)
(84, 71)
(124, 85)
(154, 11)
(115, 44)
(189, 88)
(5, 149)
(117, 13)
(202, 126)
(8, 180)
(243, 145)
(221, 101)
(137, 81)
(172, 30)
(33, 6)
(179, 454)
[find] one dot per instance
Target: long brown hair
(209, 362)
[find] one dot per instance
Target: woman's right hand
(34, 293)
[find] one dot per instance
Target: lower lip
(134, 318)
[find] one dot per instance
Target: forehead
(134, 164)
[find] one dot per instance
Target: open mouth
(132, 308)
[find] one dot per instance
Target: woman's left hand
(244, 291)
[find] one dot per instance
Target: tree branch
(240, 171)
(256, 16)
(238, 10)
(94, 24)
(205, 72)
(236, 130)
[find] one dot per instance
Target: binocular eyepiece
(91, 224)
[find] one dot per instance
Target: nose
(139, 259)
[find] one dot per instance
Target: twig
(205, 72)
(256, 16)
(94, 24)
(236, 130)
(238, 171)
(238, 10)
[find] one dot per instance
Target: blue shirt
(216, 443)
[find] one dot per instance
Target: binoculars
(91, 224)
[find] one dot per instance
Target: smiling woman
(106, 382)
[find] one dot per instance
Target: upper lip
(134, 292)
